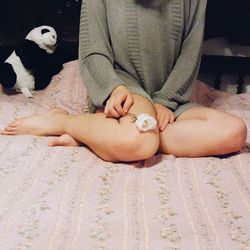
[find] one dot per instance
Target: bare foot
(46, 124)
(65, 140)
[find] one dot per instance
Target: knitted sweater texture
(154, 50)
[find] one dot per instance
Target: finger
(158, 117)
(161, 119)
(119, 109)
(12, 125)
(8, 133)
(10, 129)
(110, 110)
(165, 123)
(54, 142)
(172, 118)
(158, 120)
(114, 113)
(128, 103)
(106, 108)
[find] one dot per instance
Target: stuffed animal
(33, 62)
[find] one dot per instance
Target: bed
(68, 198)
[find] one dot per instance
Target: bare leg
(236, 129)
(68, 140)
(111, 139)
(203, 131)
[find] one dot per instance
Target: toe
(54, 142)
(8, 133)
(64, 140)
(10, 129)
(15, 123)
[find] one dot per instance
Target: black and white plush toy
(33, 62)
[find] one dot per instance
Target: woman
(140, 56)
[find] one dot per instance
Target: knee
(135, 146)
(235, 135)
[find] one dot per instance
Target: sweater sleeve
(177, 88)
(95, 53)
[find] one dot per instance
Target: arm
(96, 55)
(95, 52)
(177, 88)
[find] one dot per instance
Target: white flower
(145, 122)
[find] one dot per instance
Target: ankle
(60, 123)
(65, 125)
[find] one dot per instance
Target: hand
(164, 116)
(119, 102)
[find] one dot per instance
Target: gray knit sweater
(154, 49)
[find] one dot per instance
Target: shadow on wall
(220, 46)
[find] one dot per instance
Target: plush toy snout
(49, 39)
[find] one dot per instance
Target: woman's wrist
(119, 89)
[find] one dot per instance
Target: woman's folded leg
(111, 139)
(202, 131)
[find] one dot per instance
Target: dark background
(224, 18)
(18, 17)
(228, 18)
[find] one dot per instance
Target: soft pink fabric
(68, 198)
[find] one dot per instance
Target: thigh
(124, 135)
(126, 127)
(119, 139)
(205, 113)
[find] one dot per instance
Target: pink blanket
(68, 198)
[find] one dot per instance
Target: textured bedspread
(67, 198)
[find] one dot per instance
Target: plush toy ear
(32, 26)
